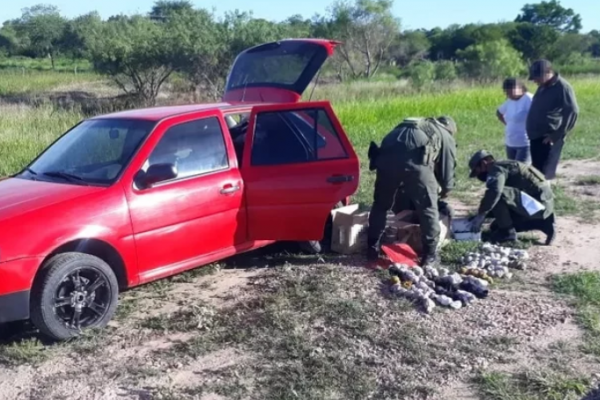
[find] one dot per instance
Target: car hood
(21, 196)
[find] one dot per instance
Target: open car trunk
(276, 72)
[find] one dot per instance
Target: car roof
(162, 112)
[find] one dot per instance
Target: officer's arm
(447, 163)
(494, 186)
(568, 112)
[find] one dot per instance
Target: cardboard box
(349, 230)
(408, 230)
(461, 230)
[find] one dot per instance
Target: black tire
(82, 272)
(319, 246)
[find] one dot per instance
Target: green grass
(14, 82)
(531, 385)
(584, 289)
(44, 64)
(567, 204)
(591, 180)
(367, 111)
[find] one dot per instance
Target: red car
(127, 198)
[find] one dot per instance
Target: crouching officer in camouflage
(414, 160)
(505, 182)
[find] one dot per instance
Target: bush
(491, 60)
(421, 73)
(445, 71)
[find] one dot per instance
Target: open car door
(297, 164)
(276, 72)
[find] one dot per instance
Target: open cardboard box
(408, 230)
(349, 229)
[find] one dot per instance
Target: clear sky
(414, 14)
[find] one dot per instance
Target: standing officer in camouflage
(415, 159)
(506, 181)
(552, 115)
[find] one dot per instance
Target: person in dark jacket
(415, 165)
(552, 115)
(517, 196)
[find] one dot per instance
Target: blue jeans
(521, 154)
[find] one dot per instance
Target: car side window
(195, 148)
(298, 136)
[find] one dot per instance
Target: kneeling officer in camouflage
(414, 160)
(505, 182)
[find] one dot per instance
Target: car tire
(73, 286)
(318, 246)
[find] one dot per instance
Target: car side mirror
(155, 174)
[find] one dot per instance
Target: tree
(551, 13)
(162, 9)
(367, 29)
(241, 31)
(43, 27)
(570, 44)
(203, 52)
(491, 60)
(445, 43)
(77, 34)
(534, 41)
(137, 53)
(409, 46)
(9, 42)
(594, 48)
(421, 73)
(296, 27)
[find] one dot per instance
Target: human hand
(547, 140)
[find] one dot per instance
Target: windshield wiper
(67, 176)
(32, 172)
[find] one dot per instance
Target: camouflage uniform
(414, 160)
(504, 184)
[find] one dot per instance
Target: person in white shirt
(513, 114)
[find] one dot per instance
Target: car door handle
(340, 178)
(230, 189)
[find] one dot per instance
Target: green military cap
(448, 123)
(476, 159)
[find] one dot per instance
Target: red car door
(297, 164)
(181, 222)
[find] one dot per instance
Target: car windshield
(94, 152)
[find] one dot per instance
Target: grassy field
(367, 111)
(321, 328)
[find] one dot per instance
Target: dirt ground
(279, 326)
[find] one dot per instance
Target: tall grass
(17, 82)
(44, 64)
(25, 132)
(367, 111)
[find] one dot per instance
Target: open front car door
(297, 164)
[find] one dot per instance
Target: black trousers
(545, 157)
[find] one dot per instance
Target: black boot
(504, 235)
(430, 259)
(548, 228)
(372, 249)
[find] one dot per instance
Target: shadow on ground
(275, 255)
